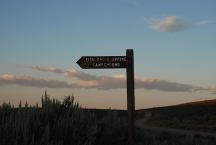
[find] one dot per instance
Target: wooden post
(130, 95)
(108, 62)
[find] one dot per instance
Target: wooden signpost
(117, 62)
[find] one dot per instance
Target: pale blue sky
(57, 32)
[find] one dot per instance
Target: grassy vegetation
(59, 123)
(66, 123)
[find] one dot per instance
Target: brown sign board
(102, 62)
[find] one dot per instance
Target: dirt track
(141, 124)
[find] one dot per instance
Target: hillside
(200, 103)
(198, 116)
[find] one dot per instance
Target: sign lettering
(97, 62)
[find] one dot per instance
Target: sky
(173, 41)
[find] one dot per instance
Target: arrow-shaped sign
(102, 62)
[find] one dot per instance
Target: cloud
(114, 82)
(8, 79)
(44, 68)
(174, 23)
(212, 89)
(168, 24)
(164, 85)
(72, 73)
(103, 83)
(88, 81)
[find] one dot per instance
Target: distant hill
(204, 102)
(189, 104)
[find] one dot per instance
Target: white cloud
(168, 24)
(212, 89)
(79, 75)
(72, 73)
(102, 82)
(164, 85)
(29, 81)
(7, 77)
(174, 23)
(87, 81)
(44, 68)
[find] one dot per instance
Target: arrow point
(79, 62)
